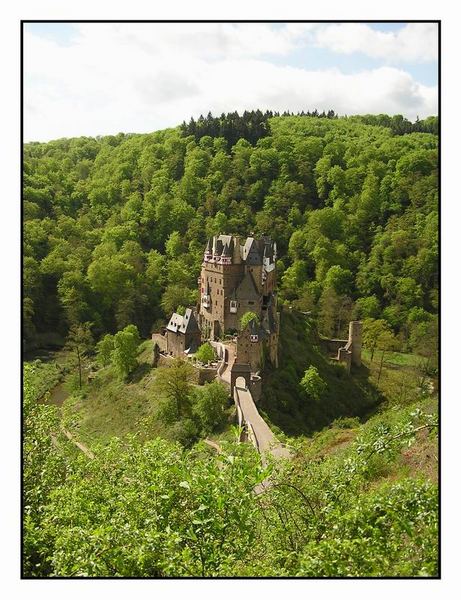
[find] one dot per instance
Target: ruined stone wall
(355, 338)
(331, 346)
(345, 357)
(348, 352)
(160, 340)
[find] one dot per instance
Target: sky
(102, 78)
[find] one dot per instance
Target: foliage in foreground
(155, 509)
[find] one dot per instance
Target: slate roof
(253, 252)
(183, 324)
(247, 288)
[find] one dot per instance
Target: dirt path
(80, 446)
(214, 445)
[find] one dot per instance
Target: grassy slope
(110, 407)
(285, 403)
(335, 423)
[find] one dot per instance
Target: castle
(237, 279)
(237, 313)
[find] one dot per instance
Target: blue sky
(100, 78)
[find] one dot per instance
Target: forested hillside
(127, 475)
(115, 226)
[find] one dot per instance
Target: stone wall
(255, 387)
(347, 352)
(160, 339)
(331, 346)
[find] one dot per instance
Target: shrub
(210, 405)
(205, 353)
(104, 349)
(247, 317)
(313, 384)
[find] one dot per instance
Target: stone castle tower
(237, 278)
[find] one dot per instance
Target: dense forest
(115, 226)
(128, 475)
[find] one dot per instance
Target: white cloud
(416, 42)
(143, 77)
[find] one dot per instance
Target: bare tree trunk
(381, 365)
(423, 368)
(372, 350)
(79, 367)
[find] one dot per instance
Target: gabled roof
(189, 324)
(226, 239)
(183, 324)
(247, 288)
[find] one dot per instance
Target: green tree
(205, 353)
(209, 406)
(125, 350)
(339, 279)
(44, 470)
(175, 384)
(329, 303)
(176, 295)
(80, 341)
(424, 340)
(386, 341)
(313, 384)
(367, 308)
(104, 349)
(173, 245)
(373, 331)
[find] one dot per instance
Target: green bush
(209, 406)
(313, 384)
(247, 317)
(205, 353)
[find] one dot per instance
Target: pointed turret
(208, 253)
(226, 255)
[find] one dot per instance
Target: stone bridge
(259, 433)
